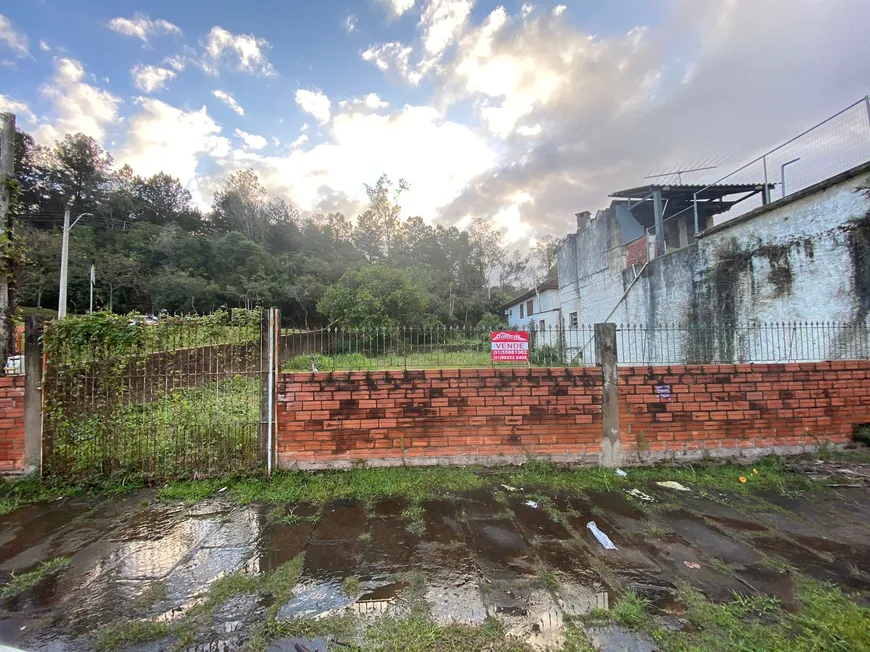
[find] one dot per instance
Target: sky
(520, 112)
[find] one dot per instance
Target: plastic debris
(637, 493)
(532, 504)
(670, 484)
(692, 564)
(222, 489)
(742, 479)
(603, 539)
(510, 488)
(621, 473)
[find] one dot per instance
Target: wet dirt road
(526, 558)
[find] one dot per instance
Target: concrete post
(606, 356)
(33, 394)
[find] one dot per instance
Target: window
(530, 307)
(521, 311)
(543, 325)
(573, 322)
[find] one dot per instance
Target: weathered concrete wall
(805, 258)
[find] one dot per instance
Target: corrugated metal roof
(691, 188)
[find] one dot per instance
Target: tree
(116, 271)
(378, 226)
(544, 256)
(241, 206)
(79, 171)
(486, 248)
(161, 199)
(375, 297)
(41, 272)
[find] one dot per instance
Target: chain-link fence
(830, 147)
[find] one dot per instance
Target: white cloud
(176, 62)
(362, 146)
(398, 7)
(15, 40)
(252, 141)
(11, 105)
(244, 52)
(314, 102)
(371, 102)
(229, 100)
(442, 23)
(396, 57)
(276, 142)
(45, 47)
(559, 10)
(142, 27)
(164, 138)
(78, 106)
(529, 131)
(299, 142)
(350, 23)
(151, 78)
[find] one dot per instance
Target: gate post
(33, 394)
(270, 331)
(606, 354)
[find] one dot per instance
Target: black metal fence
(175, 396)
(338, 349)
(758, 343)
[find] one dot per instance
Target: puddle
(500, 550)
(279, 544)
(326, 561)
(710, 541)
(816, 566)
(443, 522)
(340, 521)
(481, 503)
(536, 522)
(390, 547)
(391, 507)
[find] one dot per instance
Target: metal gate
(163, 397)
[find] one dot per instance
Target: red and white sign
(510, 346)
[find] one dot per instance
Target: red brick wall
(11, 424)
(741, 406)
(492, 415)
(636, 251)
(422, 416)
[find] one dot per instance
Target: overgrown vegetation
(827, 619)
(19, 584)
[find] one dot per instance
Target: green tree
(378, 227)
(375, 297)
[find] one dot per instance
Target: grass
(653, 529)
(549, 580)
(351, 586)
(630, 609)
(21, 583)
(827, 619)
(414, 517)
(154, 593)
(126, 633)
(174, 434)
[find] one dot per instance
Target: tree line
(154, 250)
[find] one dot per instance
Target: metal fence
(169, 397)
(759, 343)
(338, 349)
(830, 147)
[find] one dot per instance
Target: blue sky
(524, 112)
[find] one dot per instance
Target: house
(537, 309)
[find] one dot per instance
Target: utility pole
(7, 175)
(93, 280)
(64, 259)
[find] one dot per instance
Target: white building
(538, 309)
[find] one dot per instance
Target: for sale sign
(510, 346)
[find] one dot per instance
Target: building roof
(680, 198)
(549, 284)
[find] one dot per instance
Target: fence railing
(830, 147)
(767, 342)
(338, 349)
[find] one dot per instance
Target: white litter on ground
(670, 484)
(603, 539)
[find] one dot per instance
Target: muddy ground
(523, 556)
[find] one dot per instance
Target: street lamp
(64, 261)
(782, 174)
